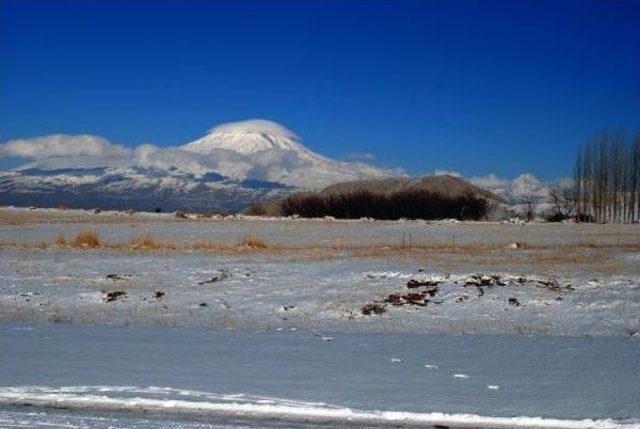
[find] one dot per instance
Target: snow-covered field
(365, 316)
(320, 275)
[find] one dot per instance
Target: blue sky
(478, 87)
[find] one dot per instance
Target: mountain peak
(256, 126)
(247, 137)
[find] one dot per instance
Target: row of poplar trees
(607, 179)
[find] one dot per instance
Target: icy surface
(543, 382)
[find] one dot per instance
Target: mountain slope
(138, 188)
(276, 154)
(234, 166)
(514, 191)
(450, 186)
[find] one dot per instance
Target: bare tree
(564, 203)
(606, 180)
(529, 205)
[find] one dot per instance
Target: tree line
(409, 204)
(606, 180)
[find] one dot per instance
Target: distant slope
(446, 185)
(430, 197)
(139, 188)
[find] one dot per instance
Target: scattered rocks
(221, 275)
(515, 221)
(451, 220)
(418, 281)
(118, 277)
(482, 281)
(373, 308)
(377, 275)
(412, 298)
(114, 295)
(419, 297)
(424, 287)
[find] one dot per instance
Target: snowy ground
(559, 280)
(330, 323)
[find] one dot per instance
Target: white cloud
(446, 173)
(490, 181)
(231, 163)
(63, 145)
(359, 157)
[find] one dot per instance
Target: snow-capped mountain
(232, 167)
(133, 187)
(276, 154)
(248, 137)
(514, 191)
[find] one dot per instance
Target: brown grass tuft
(60, 241)
(146, 242)
(87, 239)
(254, 242)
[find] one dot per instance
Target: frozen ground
(93, 374)
(568, 280)
(256, 292)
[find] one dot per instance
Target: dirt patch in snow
(114, 295)
(423, 288)
(219, 276)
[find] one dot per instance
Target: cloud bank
(63, 145)
(88, 151)
(62, 151)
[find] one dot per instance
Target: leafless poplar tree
(606, 180)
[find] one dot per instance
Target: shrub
(410, 204)
(554, 216)
(254, 242)
(146, 242)
(88, 239)
(60, 241)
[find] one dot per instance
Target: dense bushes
(410, 204)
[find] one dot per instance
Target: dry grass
(91, 240)
(87, 240)
(145, 242)
(579, 253)
(60, 241)
(254, 242)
